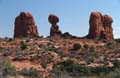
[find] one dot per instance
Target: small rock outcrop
(54, 31)
(100, 26)
(25, 26)
(68, 35)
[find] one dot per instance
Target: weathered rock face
(100, 26)
(95, 25)
(107, 24)
(25, 26)
(54, 31)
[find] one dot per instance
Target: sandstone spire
(100, 26)
(25, 25)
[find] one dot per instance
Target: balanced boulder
(54, 31)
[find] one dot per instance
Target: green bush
(44, 65)
(91, 49)
(110, 45)
(42, 46)
(6, 69)
(86, 46)
(67, 63)
(51, 49)
(56, 70)
(116, 64)
(6, 52)
(1, 49)
(32, 72)
(48, 48)
(76, 46)
(23, 46)
(71, 67)
(117, 40)
(10, 39)
(100, 70)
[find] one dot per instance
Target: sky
(73, 14)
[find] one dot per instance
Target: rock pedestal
(54, 31)
(100, 26)
(25, 26)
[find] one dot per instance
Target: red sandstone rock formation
(25, 26)
(100, 26)
(53, 19)
(107, 24)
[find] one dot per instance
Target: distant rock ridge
(100, 26)
(25, 26)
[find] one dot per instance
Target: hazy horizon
(73, 15)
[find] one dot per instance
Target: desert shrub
(42, 46)
(81, 69)
(19, 55)
(48, 48)
(24, 72)
(76, 46)
(23, 46)
(28, 40)
(6, 69)
(51, 49)
(92, 55)
(56, 70)
(113, 74)
(44, 65)
(117, 40)
(90, 59)
(1, 49)
(6, 52)
(61, 53)
(6, 38)
(117, 73)
(110, 45)
(100, 70)
(71, 67)
(71, 55)
(86, 46)
(10, 39)
(32, 72)
(67, 63)
(116, 64)
(91, 49)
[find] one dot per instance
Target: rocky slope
(48, 54)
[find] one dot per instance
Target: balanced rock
(25, 25)
(54, 31)
(100, 26)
